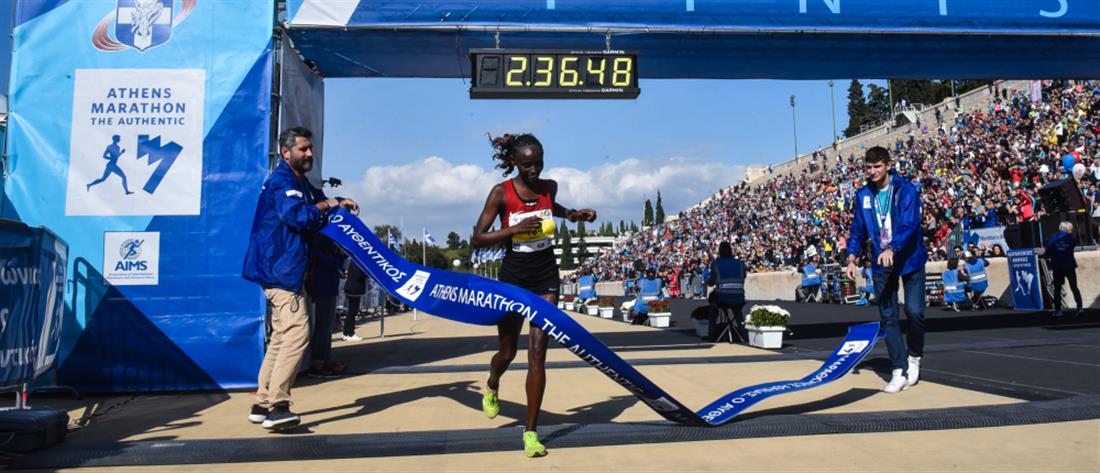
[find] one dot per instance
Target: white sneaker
(351, 338)
(913, 372)
(897, 382)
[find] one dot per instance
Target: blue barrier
(32, 300)
(475, 300)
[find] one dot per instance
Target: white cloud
(447, 197)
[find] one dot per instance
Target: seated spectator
(976, 279)
(586, 286)
(954, 289)
(650, 288)
(727, 276)
(811, 281)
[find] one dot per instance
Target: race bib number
(532, 242)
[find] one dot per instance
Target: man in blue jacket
(1059, 255)
(887, 212)
(289, 213)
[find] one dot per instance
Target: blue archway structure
(79, 76)
(773, 39)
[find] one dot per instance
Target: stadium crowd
(982, 167)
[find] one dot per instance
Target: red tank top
(516, 210)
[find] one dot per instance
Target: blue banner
(139, 132)
(32, 292)
(986, 237)
(1023, 277)
(926, 16)
(713, 39)
(475, 300)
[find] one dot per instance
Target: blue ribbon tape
(476, 300)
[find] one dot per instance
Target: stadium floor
(1000, 390)
(1021, 354)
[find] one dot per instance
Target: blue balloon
(1068, 161)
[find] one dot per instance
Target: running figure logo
(1023, 281)
(130, 249)
(111, 154)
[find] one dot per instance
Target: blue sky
(416, 148)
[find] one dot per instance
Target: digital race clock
(553, 74)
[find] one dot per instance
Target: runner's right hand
(530, 225)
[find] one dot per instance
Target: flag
(393, 242)
(428, 237)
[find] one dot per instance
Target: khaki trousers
(289, 339)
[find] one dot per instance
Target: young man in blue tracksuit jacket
(289, 214)
(887, 212)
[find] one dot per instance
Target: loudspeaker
(1022, 235)
(1062, 196)
(1082, 227)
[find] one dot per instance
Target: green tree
(622, 227)
(582, 250)
(857, 109)
(660, 210)
(878, 103)
(918, 91)
(647, 215)
(415, 252)
(633, 226)
(567, 250)
(382, 230)
(454, 241)
(460, 254)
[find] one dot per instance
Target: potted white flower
(766, 324)
(625, 309)
(659, 314)
(591, 308)
(607, 307)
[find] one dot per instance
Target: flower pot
(569, 305)
(561, 304)
(607, 312)
(702, 328)
(659, 319)
(766, 337)
(592, 309)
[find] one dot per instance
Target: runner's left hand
(588, 215)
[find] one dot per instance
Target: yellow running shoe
(532, 446)
(490, 404)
